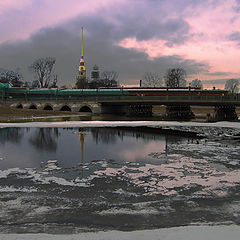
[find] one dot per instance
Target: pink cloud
(18, 19)
(6, 5)
(210, 25)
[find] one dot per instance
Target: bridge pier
(96, 108)
(135, 109)
(179, 112)
(139, 110)
(224, 113)
(114, 109)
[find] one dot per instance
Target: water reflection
(91, 144)
(82, 137)
(13, 135)
(111, 135)
(104, 135)
(45, 139)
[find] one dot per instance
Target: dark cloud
(100, 41)
(217, 81)
(235, 36)
(219, 73)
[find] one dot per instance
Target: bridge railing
(125, 98)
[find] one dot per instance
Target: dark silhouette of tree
(42, 69)
(13, 77)
(232, 85)
(196, 83)
(35, 84)
(108, 79)
(54, 83)
(175, 78)
(102, 83)
(109, 75)
(151, 80)
(95, 83)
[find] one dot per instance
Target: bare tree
(108, 79)
(14, 77)
(232, 85)
(102, 83)
(196, 83)
(151, 80)
(109, 75)
(95, 83)
(42, 68)
(55, 81)
(175, 78)
(35, 84)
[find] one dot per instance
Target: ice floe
(196, 175)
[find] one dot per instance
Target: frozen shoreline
(121, 124)
(220, 232)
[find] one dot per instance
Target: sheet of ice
(21, 189)
(40, 178)
(180, 233)
(121, 123)
(180, 173)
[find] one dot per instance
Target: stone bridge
(71, 106)
(177, 107)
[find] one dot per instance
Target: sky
(131, 37)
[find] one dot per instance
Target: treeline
(42, 69)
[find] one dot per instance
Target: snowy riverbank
(122, 124)
(178, 233)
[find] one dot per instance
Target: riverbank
(186, 233)
(6, 112)
(17, 115)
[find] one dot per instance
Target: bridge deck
(208, 100)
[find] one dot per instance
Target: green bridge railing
(227, 99)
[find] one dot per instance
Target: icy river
(85, 177)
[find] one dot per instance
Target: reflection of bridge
(177, 106)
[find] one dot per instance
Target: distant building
(95, 74)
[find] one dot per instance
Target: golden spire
(81, 68)
(82, 43)
(81, 78)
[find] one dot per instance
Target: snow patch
(21, 189)
(128, 211)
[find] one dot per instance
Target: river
(65, 180)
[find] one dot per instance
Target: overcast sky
(129, 36)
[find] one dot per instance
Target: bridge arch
(33, 106)
(19, 106)
(85, 109)
(48, 107)
(65, 108)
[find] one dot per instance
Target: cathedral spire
(82, 59)
(82, 44)
(81, 78)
